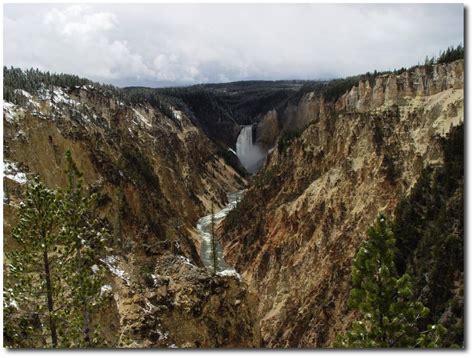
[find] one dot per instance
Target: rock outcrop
(422, 81)
(310, 107)
(268, 129)
(170, 302)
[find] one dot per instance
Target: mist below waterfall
(250, 155)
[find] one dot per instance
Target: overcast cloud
(158, 44)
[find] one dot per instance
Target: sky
(172, 45)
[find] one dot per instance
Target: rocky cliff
(155, 174)
(422, 81)
(365, 95)
(302, 220)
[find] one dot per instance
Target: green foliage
(451, 54)
(241, 102)
(147, 270)
(429, 226)
(139, 167)
(213, 242)
(33, 272)
(384, 301)
(83, 236)
(392, 171)
(338, 87)
(286, 138)
(32, 80)
(53, 277)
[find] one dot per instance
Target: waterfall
(244, 142)
(250, 155)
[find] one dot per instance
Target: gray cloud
(156, 44)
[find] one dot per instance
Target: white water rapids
(204, 228)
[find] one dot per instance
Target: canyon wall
(294, 234)
(366, 95)
(422, 81)
(155, 174)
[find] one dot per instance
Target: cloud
(75, 21)
(74, 39)
(152, 44)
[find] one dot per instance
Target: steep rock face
(155, 175)
(295, 117)
(423, 81)
(309, 108)
(298, 227)
(268, 129)
(386, 89)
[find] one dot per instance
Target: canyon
(292, 174)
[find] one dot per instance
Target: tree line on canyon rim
(238, 101)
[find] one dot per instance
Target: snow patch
(11, 171)
(23, 93)
(11, 303)
(155, 280)
(185, 260)
(105, 289)
(111, 261)
(95, 268)
(229, 273)
(162, 336)
(60, 97)
(55, 96)
(9, 111)
(141, 118)
(150, 308)
(32, 104)
(177, 114)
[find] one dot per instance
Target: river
(204, 228)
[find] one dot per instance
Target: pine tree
(33, 274)
(54, 275)
(84, 238)
(118, 228)
(389, 315)
(213, 242)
